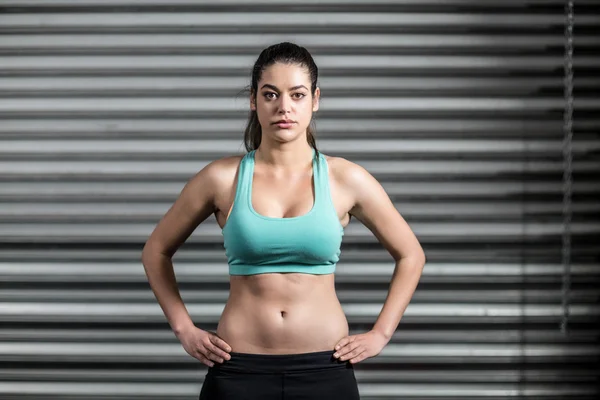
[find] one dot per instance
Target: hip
(314, 375)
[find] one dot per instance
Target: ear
(316, 99)
(252, 102)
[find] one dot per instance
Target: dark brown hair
(285, 53)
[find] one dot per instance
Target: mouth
(284, 123)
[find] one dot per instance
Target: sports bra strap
(244, 178)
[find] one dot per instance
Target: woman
(282, 207)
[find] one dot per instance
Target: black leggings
(305, 376)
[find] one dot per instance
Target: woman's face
(284, 94)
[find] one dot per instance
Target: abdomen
(282, 314)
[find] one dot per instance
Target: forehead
(287, 75)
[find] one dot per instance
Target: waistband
(270, 363)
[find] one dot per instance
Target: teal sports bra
(257, 244)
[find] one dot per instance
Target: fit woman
(283, 207)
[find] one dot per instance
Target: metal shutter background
(108, 107)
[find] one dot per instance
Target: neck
(284, 156)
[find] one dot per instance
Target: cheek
(265, 108)
(306, 111)
(263, 111)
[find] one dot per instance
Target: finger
(344, 348)
(204, 360)
(343, 342)
(209, 355)
(217, 341)
(353, 353)
(214, 357)
(215, 350)
(346, 351)
(359, 357)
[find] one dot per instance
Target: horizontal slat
(480, 232)
(239, 20)
(171, 3)
(173, 352)
(206, 312)
(330, 86)
(520, 254)
(498, 189)
(173, 42)
(154, 148)
(433, 375)
(448, 334)
(116, 271)
(223, 105)
(232, 126)
(367, 391)
(352, 295)
(185, 169)
(130, 212)
(142, 64)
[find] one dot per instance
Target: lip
(284, 123)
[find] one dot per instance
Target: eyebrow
(276, 89)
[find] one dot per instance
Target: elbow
(419, 255)
(417, 259)
(151, 251)
(146, 256)
(422, 259)
(146, 251)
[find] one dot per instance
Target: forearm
(161, 276)
(402, 287)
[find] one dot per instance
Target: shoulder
(348, 174)
(357, 184)
(217, 174)
(225, 167)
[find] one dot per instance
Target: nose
(285, 105)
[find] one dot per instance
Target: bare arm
(375, 210)
(194, 204)
(373, 207)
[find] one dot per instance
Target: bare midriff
(282, 314)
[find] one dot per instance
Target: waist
(254, 363)
(284, 319)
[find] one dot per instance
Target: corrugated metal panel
(108, 107)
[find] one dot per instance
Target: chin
(283, 135)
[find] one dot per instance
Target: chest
(282, 195)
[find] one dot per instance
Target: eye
(267, 94)
(301, 95)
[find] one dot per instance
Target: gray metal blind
(108, 107)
